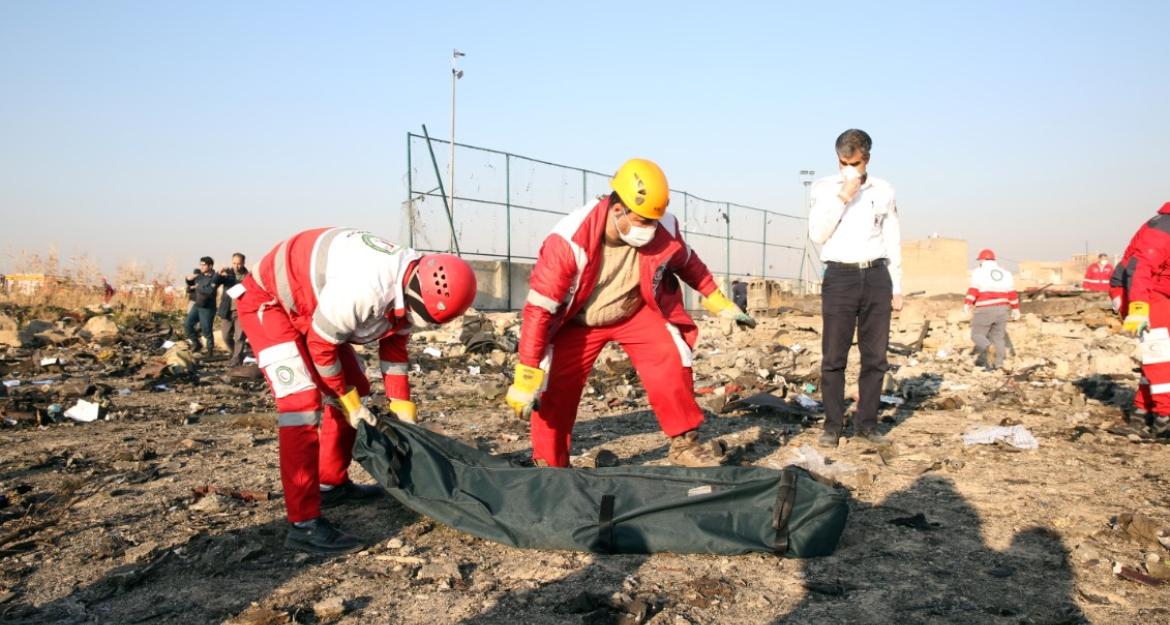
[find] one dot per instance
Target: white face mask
(850, 172)
(638, 235)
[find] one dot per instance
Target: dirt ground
(112, 521)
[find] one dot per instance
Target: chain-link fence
(504, 205)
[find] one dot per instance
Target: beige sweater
(616, 296)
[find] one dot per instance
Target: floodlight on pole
(456, 74)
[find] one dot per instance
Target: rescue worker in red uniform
(995, 301)
(1143, 402)
(609, 272)
(309, 300)
(1143, 287)
(1098, 274)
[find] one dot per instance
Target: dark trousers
(233, 337)
(854, 299)
(204, 317)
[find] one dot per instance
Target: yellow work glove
(717, 304)
(1137, 319)
(404, 410)
(355, 411)
(521, 397)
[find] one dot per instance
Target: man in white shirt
(855, 218)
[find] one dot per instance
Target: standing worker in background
(1098, 274)
(608, 273)
(1141, 286)
(309, 299)
(107, 292)
(739, 290)
(230, 330)
(994, 298)
(856, 219)
(203, 284)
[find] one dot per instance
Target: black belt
(877, 262)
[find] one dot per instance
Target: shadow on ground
(895, 568)
(211, 577)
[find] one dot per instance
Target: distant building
(30, 283)
(935, 266)
(1060, 275)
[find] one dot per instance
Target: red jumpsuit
(658, 338)
(1143, 275)
(1097, 277)
(307, 302)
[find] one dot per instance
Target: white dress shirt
(864, 230)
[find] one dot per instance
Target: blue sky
(162, 131)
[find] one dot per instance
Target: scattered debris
(197, 500)
(84, 411)
(917, 522)
(328, 609)
(1134, 575)
(243, 494)
(1017, 436)
(845, 474)
(597, 458)
(1143, 529)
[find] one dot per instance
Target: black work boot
(321, 537)
(349, 493)
(872, 436)
(1135, 417)
(830, 437)
(1160, 427)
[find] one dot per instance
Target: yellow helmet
(642, 187)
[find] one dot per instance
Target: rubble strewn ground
(167, 508)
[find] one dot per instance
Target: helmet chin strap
(414, 300)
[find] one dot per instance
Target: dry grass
(73, 297)
(79, 284)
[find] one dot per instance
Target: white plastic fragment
(1017, 436)
(83, 411)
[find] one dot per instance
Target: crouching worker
(608, 273)
(309, 300)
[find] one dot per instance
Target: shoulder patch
(378, 244)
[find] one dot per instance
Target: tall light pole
(456, 74)
(806, 178)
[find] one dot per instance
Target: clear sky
(162, 131)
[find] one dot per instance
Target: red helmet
(446, 284)
(986, 255)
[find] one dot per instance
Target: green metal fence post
(439, 177)
(508, 219)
